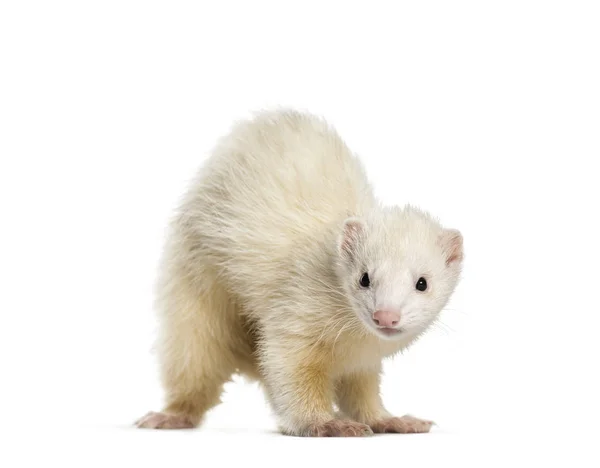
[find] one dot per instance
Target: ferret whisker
(331, 323)
(330, 288)
(440, 323)
(337, 337)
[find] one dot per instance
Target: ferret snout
(386, 318)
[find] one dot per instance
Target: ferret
(281, 265)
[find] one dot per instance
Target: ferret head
(399, 268)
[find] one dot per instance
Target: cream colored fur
(260, 277)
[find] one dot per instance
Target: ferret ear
(451, 241)
(352, 231)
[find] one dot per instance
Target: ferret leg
(301, 393)
(358, 397)
(195, 353)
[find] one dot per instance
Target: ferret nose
(386, 318)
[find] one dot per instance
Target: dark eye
(421, 284)
(365, 281)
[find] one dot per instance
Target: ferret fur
(260, 276)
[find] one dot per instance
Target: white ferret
(282, 266)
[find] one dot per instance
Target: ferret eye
(365, 281)
(421, 284)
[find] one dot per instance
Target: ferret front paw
(404, 425)
(164, 421)
(340, 428)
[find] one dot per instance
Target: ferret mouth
(389, 331)
(384, 333)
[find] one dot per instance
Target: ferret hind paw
(154, 420)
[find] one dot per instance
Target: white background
(485, 113)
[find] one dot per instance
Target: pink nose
(386, 318)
